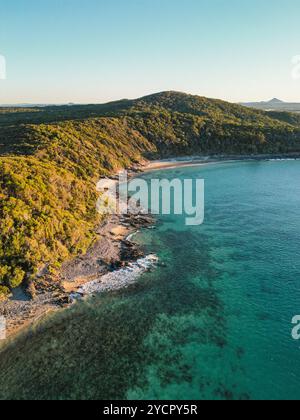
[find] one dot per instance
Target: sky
(94, 51)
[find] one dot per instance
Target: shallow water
(214, 323)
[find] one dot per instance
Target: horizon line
(71, 103)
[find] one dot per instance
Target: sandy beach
(190, 161)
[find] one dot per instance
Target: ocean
(213, 321)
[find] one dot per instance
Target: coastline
(190, 161)
(113, 252)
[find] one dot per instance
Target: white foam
(132, 235)
(119, 279)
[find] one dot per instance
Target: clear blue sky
(99, 50)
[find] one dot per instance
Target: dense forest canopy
(51, 158)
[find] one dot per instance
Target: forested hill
(177, 123)
(51, 158)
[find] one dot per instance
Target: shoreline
(190, 161)
(112, 253)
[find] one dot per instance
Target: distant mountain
(274, 105)
(275, 101)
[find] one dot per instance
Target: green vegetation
(180, 124)
(52, 157)
(48, 195)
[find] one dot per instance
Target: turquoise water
(215, 323)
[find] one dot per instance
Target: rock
(74, 297)
(31, 290)
(162, 265)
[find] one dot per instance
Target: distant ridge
(274, 104)
(33, 105)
